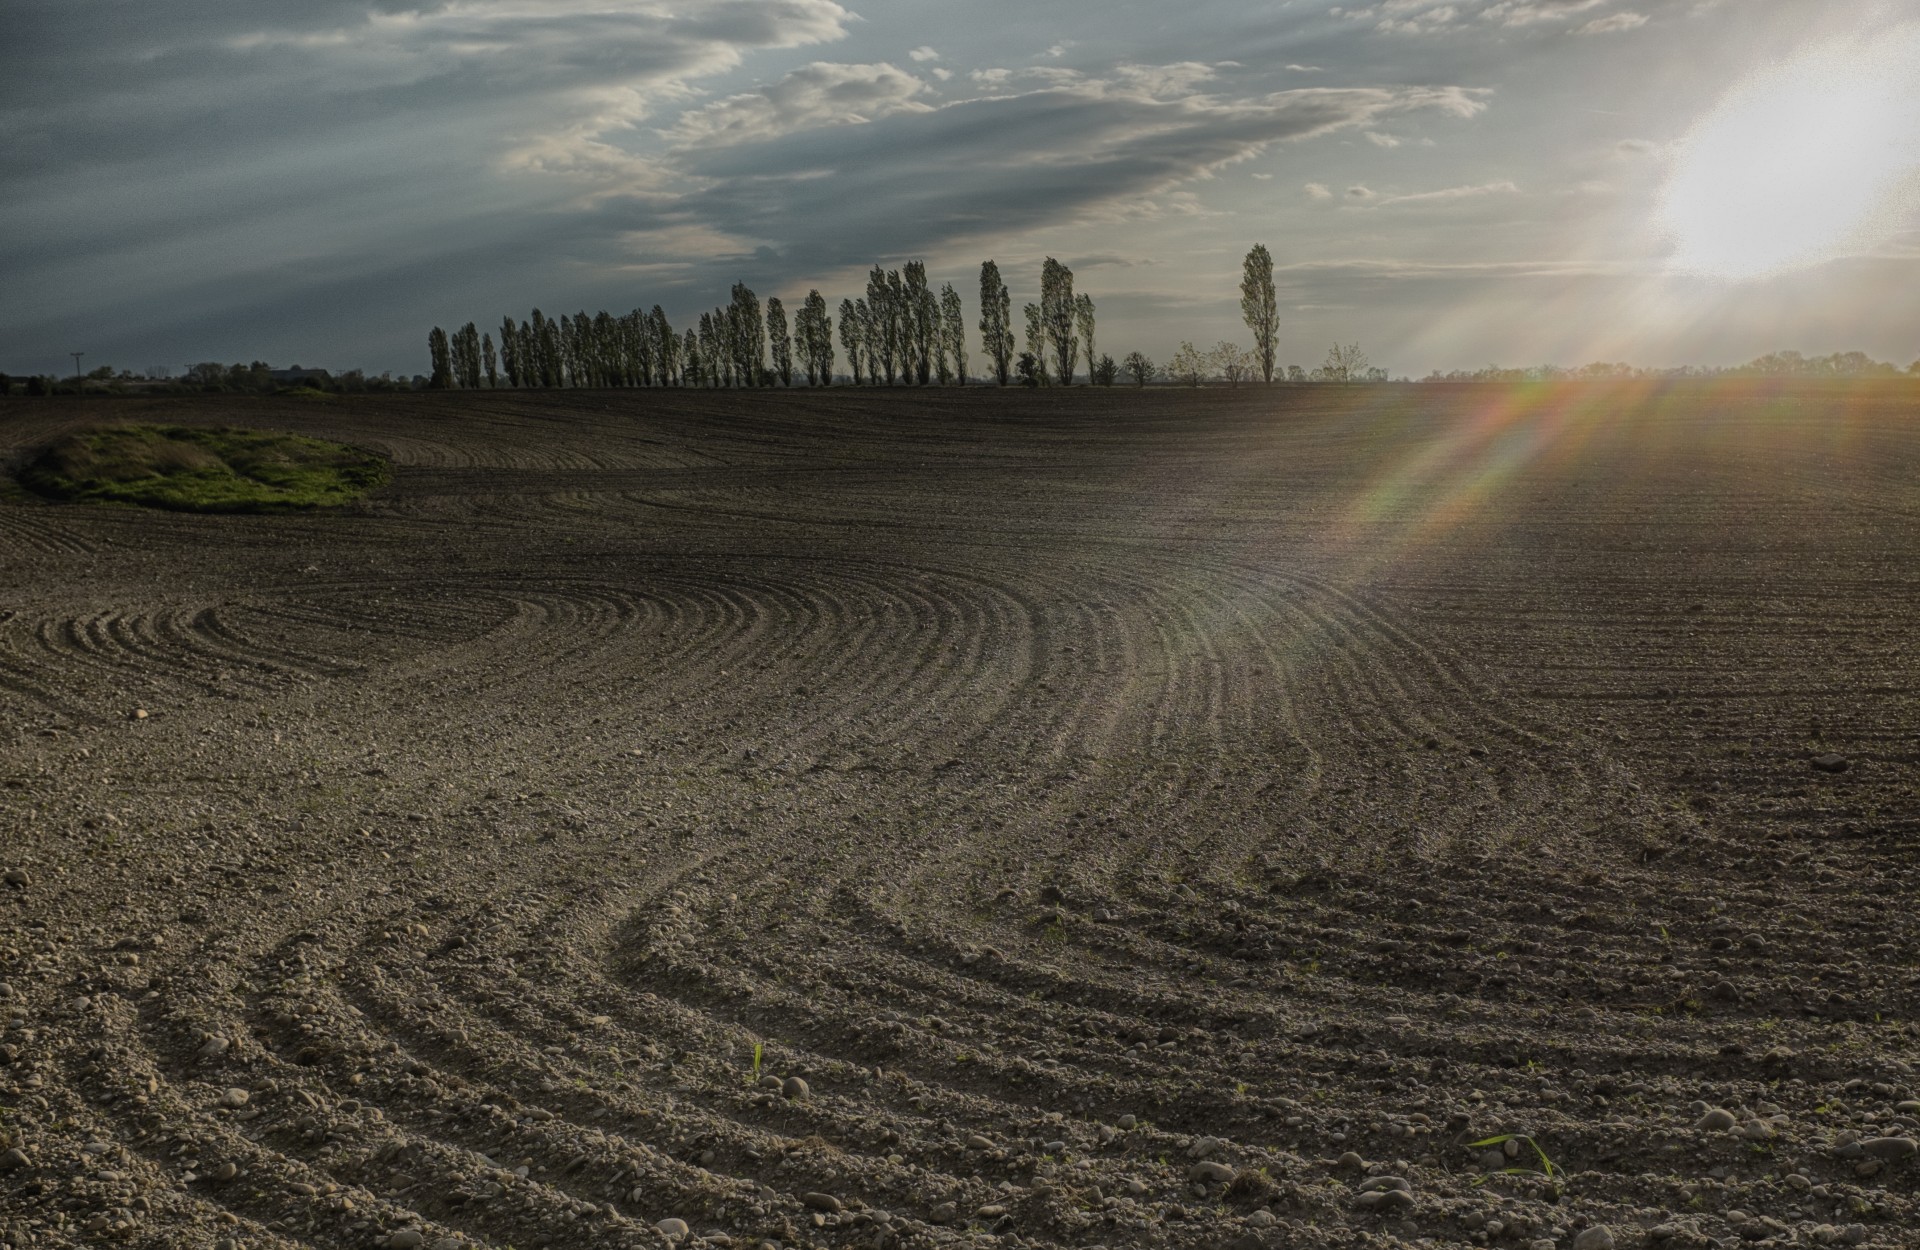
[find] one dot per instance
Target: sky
(1448, 183)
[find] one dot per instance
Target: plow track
(967, 819)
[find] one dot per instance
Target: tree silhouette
(1188, 365)
(919, 315)
(1345, 364)
(1057, 316)
(493, 364)
(1139, 367)
(1036, 346)
(747, 333)
(510, 351)
(1104, 372)
(1083, 322)
(953, 330)
(442, 357)
(852, 340)
(996, 322)
(1259, 307)
(777, 336)
(817, 341)
(1232, 362)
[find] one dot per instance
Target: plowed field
(906, 820)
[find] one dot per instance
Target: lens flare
(1805, 162)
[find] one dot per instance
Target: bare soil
(1137, 819)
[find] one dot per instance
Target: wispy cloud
(1613, 24)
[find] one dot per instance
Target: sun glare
(1805, 161)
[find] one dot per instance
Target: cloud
(1058, 50)
(1304, 69)
(924, 53)
(1164, 80)
(942, 73)
(817, 95)
(1319, 191)
(1613, 24)
(1380, 140)
(1534, 12)
(1450, 193)
(1361, 193)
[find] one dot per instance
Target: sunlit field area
(1363, 816)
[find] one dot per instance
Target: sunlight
(1804, 162)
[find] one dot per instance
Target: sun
(1806, 161)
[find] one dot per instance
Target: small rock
(1756, 1130)
(1136, 1188)
(1373, 1183)
(979, 1141)
(235, 1098)
(1717, 1120)
(226, 1171)
(1890, 1147)
(1600, 1237)
(796, 1088)
(944, 1213)
(406, 1239)
(227, 1243)
(821, 1202)
(138, 713)
(1208, 1172)
(1350, 1160)
(992, 1211)
(672, 1228)
(19, 878)
(1262, 1218)
(214, 1047)
(13, 1160)
(1831, 763)
(1127, 1123)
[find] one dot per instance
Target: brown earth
(1140, 818)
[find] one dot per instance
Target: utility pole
(79, 382)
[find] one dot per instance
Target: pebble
(1599, 1237)
(19, 878)
(1350, 1160)
(1262, 1218)
(1756, 1130)
(235, 1098)
(796, 1088)
(406, 1239)
(821, 1202)
(672, 1228)
(226, 1171)
(1831, 763)
(979, 1142)
(1374, 1183)
(1890, 1147)
(945, 1213)
(1208, 1172)
(1717, 1120)
(13, 1160)
(1127, 1123)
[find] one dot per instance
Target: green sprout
(1547, 1165)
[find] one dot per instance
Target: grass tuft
(189, 469)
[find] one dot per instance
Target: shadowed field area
(1129, 819)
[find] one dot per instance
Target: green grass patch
(190, 469)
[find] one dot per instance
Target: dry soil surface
(943, 819)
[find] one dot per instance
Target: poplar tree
(493, 371)
(666, 346)
(919, 317)
(1056, 314)
(510, 350)
(748, 332)
(996, 322)
(882, 329)
(953, 330)
(851, 340)
(1083, 321)
(817, 340)
(1259, 306)
(1037, 345)
(782, 345)
(442, 356)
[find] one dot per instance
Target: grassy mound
(204, 470)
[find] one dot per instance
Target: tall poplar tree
(996, 322)
(1056, 315)
(1259, 306)
(748, 332)
(1037, 343)
(492, 362)
(818, 340)
(441, 354)
(919, 313)
(953, 329)
(851, 340)
(1083, 322)
(781, 343)
(510, 350)
(883, 323)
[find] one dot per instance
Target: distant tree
(1259, 306)
(1030, 370)
(1296, 375)
(1105, 372)
(819, 340)
(666, 348)
(953, 330)
(777, 336)
(1139, 367)
(883, 321)
(748, 335)
(471, 364)
(920, 316)
(1345, 364)
(442, 355)
(852, 340)
(550, 362)
(1083, 322)
(996, 322)
(692, 368)
(1189, 365)
(1232, 362)
(1037, 345)
(493, 362)
(1057, 316)
(510, 351)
